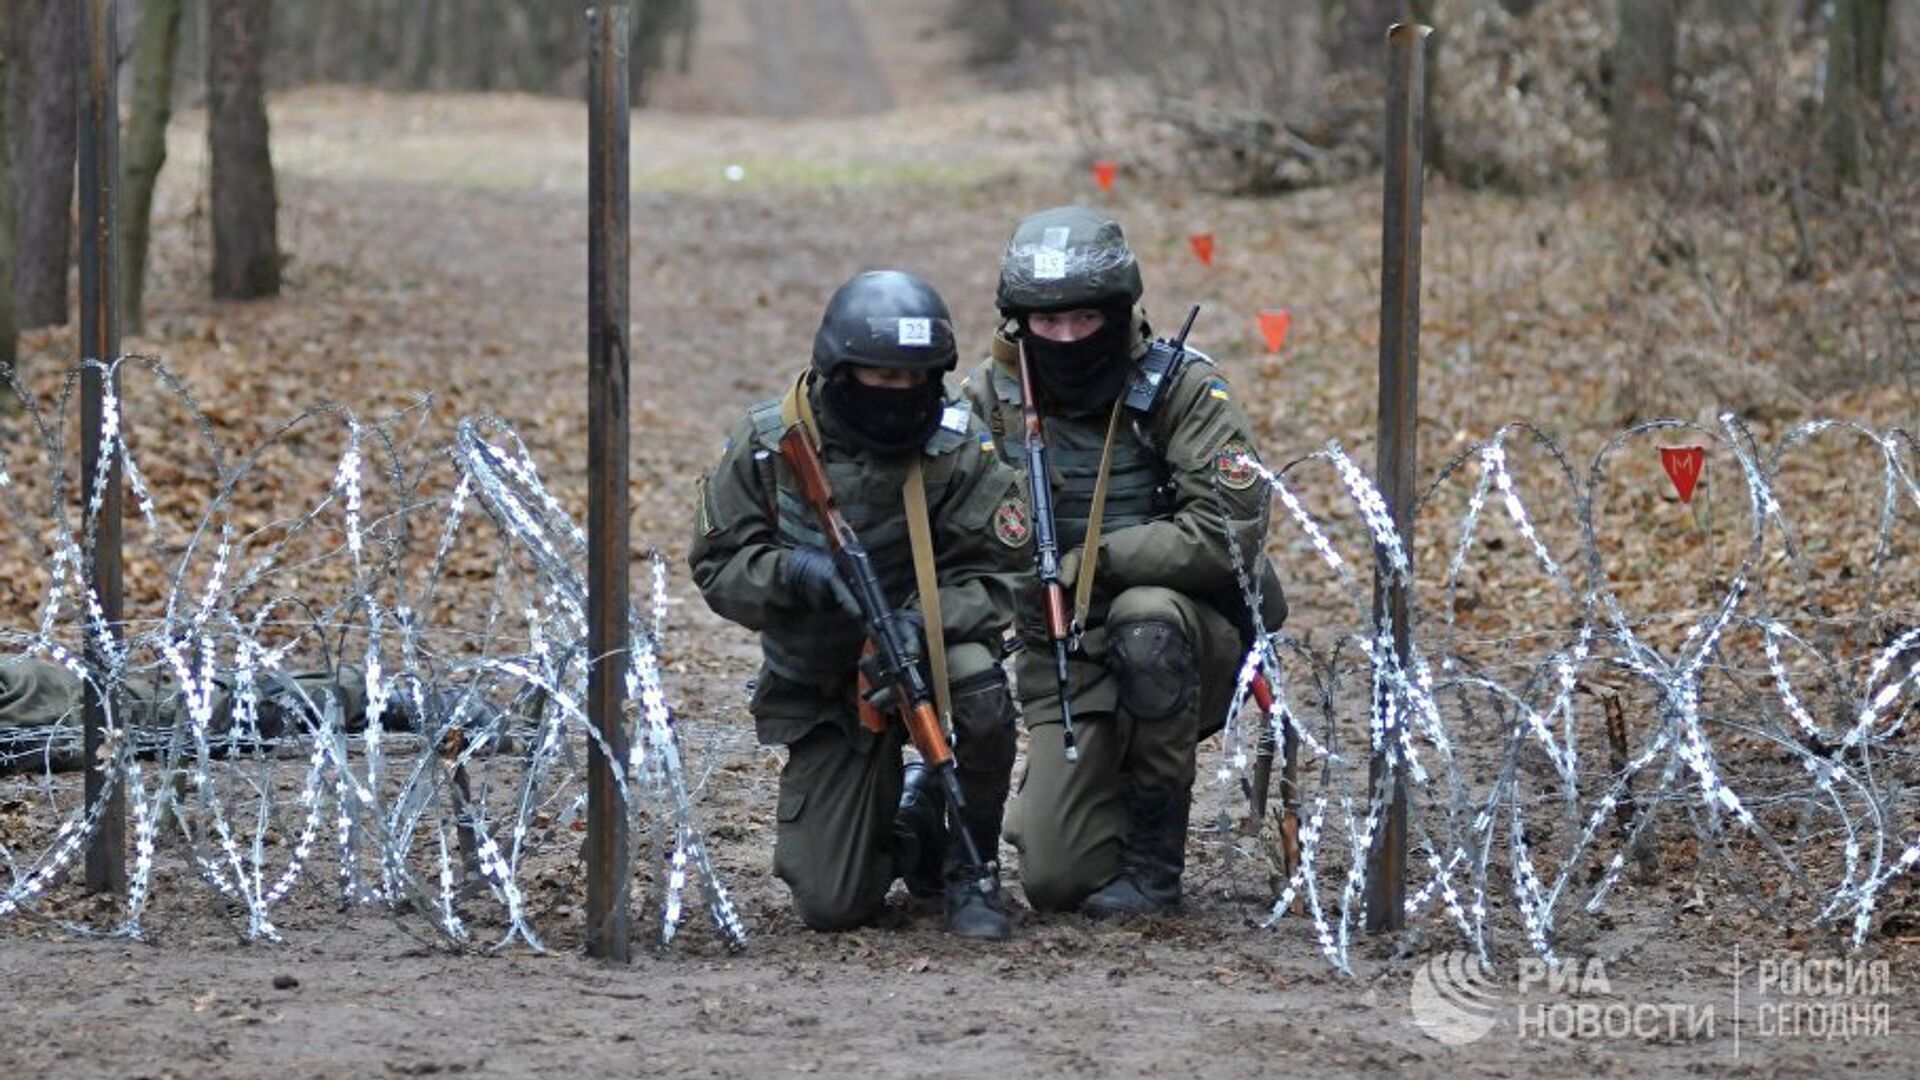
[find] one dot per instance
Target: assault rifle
(1063, 630)
(895, 667)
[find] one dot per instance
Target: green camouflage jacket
(1195, 451)
(751, 513)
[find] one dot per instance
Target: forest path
(814, 57)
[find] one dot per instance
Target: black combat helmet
(885, 319)
(1065, 258)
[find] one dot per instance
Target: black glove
(1033, 616)
(809, 573)
(910, 630)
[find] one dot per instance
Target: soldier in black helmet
(875, 400)
(1165, 623)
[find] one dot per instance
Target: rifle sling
(1090, 557)
(920, 535)
(796, 409)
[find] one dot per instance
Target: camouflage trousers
(840, 788)
(1067, 819)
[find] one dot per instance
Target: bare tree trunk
(417, 52)
(1903, 49)
(449, 71)
(374, 65)
(521, 45)
(154, 55)
(1357, 30)
(308, 44)
(1300, 26)
(246, 249)
(1855, 84)
(1641, 132)
(43, 220)
(481, 54)
(9, 333)
(193, 48)
(1873, 27)
(690, 31)
(657, 25)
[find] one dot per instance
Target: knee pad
(1153, 661)
(984, 735)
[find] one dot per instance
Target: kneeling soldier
(1154, 474)
(916, 479)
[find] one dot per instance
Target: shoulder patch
(954, 417)
(1011, 526)
(1217, 389)
(986, 442)
(1235, 463)
(767, 427)
(944, 442)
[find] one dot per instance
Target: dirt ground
(438, 244)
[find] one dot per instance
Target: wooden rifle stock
(1289, 781)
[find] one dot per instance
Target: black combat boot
(975, 908)
(920, 831)
(1153, 853)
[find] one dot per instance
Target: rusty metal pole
(1399, 431)
(99, 153)
(608, 592)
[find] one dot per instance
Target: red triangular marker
(1684, 464)
(1202, 246)
(1104, 172)
(1273, 324)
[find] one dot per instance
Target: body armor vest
(1136, 481)
(824, 649)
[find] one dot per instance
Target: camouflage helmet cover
(1064, 258)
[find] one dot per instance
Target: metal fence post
(608, 592)
(1399, 430)
(99, 161)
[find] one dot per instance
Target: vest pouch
(1273, 605)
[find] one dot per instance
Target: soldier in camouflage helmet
(1164, 619)
(875, 400)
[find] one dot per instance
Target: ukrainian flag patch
(986, 442)
(1217, 389)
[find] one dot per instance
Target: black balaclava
(884, 419)
(1084, 375)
